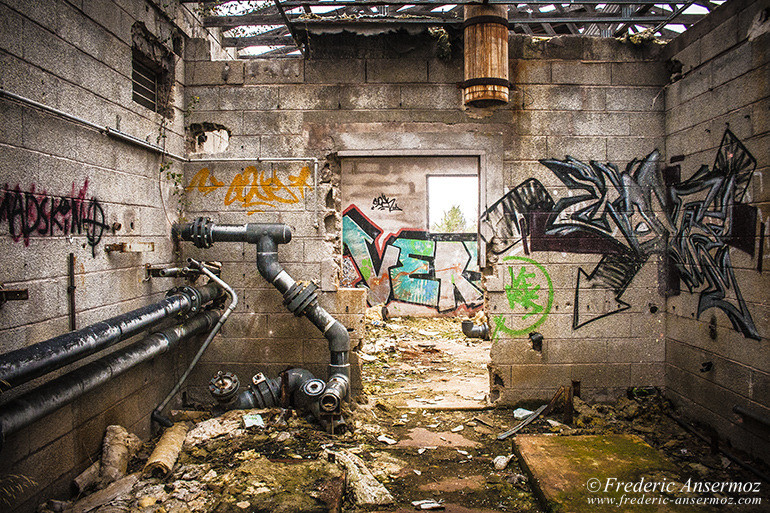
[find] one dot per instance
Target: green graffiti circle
(500, 320)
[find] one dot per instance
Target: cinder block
(214, 73)
(644, 99)
(695, 83)
(374, 97)
(529, 71)
(335, 71)
(430, 97)
(575, 351)
(309, 97)
(625, 149)
(602, 375)
(445, 71)
(722, 37)
(581, 73)
(732, 65)
(540, 376)
(396, 70)
(274, 71)
(248, 98)
(690, 56)
(553, 98)
(197, 49)
(567, 47)
(271, 122)
(604, 123)
(583, 148)
(639, 73)
(648, 374)
(514, 351)
(525, 147)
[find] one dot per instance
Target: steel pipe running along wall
(22, 365)
(299, 298)
(58, 392)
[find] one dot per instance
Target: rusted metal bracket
(162, 271)
(12, 295)
(130, 247)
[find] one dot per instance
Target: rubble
(398, 449)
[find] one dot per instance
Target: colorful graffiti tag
(529, 294)
(252, 189)
(439, 272)
(628, 216)
(39, 213)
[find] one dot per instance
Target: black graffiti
(37, 213)
(628, 216)
(382, 202)
(710, 218)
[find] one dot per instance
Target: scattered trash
(428, 504)
(166, 452)
(253, 420)
(387, 440)
(500, 462)
(366, 489)
(457, 429)
(521, 413)
(533, 416)
(417, 472)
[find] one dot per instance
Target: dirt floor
(423, 429)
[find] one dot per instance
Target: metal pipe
(157, 413)
(117, 134)
(56, 393)
(757, 417)
(71, 291)
(22, 365)
(475, 331)
(299, 298)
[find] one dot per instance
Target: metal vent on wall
(145, 79)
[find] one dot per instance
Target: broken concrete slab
(600, 473)
(421, 437)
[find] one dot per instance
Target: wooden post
(486, 55)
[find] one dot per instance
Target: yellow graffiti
(252, 188)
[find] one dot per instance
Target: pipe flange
(265, 391)
(224, 386)
(299, 297)
(196, 302)
(201, 232)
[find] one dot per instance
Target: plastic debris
(501, 462)
(386, 439)
(252, 420)
(521, 413)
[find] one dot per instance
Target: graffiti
(30, 213)
(252, 189)
(530, 296)
(629, 216)
(383, 203)
(412, 267)
(710, 218)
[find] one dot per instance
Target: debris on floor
(417, 440)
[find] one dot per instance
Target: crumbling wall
(717, 145)
(572, 296)
(69, 189)
(593, 99)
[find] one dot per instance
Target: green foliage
(453, 221)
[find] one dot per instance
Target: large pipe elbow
(475, 331)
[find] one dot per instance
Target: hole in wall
(498, 380)
(208, 138)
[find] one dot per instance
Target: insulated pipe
(22, 365)
(47, 398)
(157, 414)
(299, 298)
(471, 330)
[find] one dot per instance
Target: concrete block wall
(593, 100)
(724, 86)
(76, 56)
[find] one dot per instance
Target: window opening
(145, 79)
(453, 203)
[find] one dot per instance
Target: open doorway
(410, 239)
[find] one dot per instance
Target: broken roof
(274, 28)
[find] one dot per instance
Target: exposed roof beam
(260, 40)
